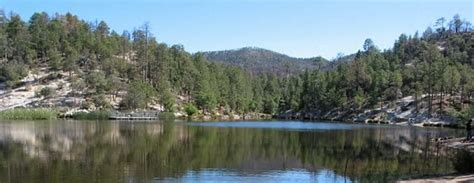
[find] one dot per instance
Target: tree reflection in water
(85, 151)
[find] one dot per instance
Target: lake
(248, 151)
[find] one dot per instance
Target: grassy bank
(29, 114)
(95, 115)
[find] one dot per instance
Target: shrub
(97, 81)
(190, 109)
(47, 92)
(95, 115)
(12, 73)
(464, 115)
(29, 114)
(100, 101)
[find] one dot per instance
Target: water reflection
(294, 175)
(89, 151)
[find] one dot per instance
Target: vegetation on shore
(435, 67)
(29, 114)
(94, 115)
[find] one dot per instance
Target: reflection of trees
(112, 152)
(364, 158)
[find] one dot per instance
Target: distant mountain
(259, 60)
(338, 61)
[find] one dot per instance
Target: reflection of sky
(292, 175)
(288, 125)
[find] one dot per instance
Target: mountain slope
(258, 61)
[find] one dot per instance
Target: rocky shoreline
(403, 111)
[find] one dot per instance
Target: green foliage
(11, 73)
(94, 115)
(190, 109)
(97, 81)
(102, 62)
(28, 114)
(139, 95)
(46, 92)
(101, 102)
(168, 101)
(78, 85)
(262, 61)
(464, 115)
(359, 98)
(269, 106)
(55, 59)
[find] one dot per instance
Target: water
(274, 151)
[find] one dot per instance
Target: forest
(436, 65)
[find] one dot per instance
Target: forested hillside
(435, 69)
(135, 70)
(258, 60)
(102, 64)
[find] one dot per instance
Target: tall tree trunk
(430, 91)
(441, 100)
(461, 98)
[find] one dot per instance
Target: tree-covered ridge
(258, 60)
(135, 67)
(101, 63)
(436, 67)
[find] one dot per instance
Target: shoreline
(442, 178)
(108, 115)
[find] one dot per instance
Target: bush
(101, 102)
(464, 115)
(95, 115)
(47, 92)
(97, 81)
(29, 114)
(190, 109)
(12, 73)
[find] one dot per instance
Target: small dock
(148, 115)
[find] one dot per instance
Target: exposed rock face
(401, 111)
(26, 95)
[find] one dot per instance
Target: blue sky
(300, 28)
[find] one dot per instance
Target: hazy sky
(300, 28)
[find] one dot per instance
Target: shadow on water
(78, 151)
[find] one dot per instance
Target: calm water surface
(275, 151)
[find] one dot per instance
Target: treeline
(261, 61)
(102, 63)
(438, 65)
